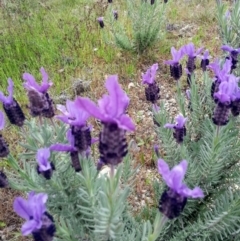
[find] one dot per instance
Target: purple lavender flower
(221, 74)
(111, 111)
(112, 107)
(11, 106)
(39, 222)
(40, 102)
(76, 117)
(3, 180)
(69, 148)
(44, 167)
(115, 14)
(233, 55)
(152, 91)
(175, 66)
(4, 151)
(100, 21)
(179, 128)
(190, 51)
(223, 99)
(205, 60)
(174, 199)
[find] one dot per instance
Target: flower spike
(174, 199)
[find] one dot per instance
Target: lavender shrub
(84, 204)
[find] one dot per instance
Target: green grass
(56, 35)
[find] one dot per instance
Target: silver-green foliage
(213, 164)
(139, 26)
(85, 205)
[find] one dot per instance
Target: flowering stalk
(179, 128)
(40, 103)
(152, 92)
(11, 106)
(111, 111)
(175, 66)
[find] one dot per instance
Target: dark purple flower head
(7, 99)
(31, 210)
(115, 14)
(180, 123)
(100, 21)
(189, 50)
(174, 179)
(73, 114)
(3, 180)
(11, 106)
(111, 108)
(31, 83)
(149, 76)
(179, 128)
(176, 55)
(174, 199)
(205, 60)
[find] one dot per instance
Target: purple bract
(111, 108)
(174, 179)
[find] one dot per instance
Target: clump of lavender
(11, 106)
(179, 128)
(4, 151)
(174, 199)
(100, 21)
(39, 222)
(205, 60)
(190, 51)
(111, 111)
(152, 92)
(40, 103)
(44, 167)
(175, 66)
(233, 55)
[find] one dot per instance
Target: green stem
(180, 99)
(159, 223)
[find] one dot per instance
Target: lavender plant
(141, 26)
(69, 197)
(212, 153)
